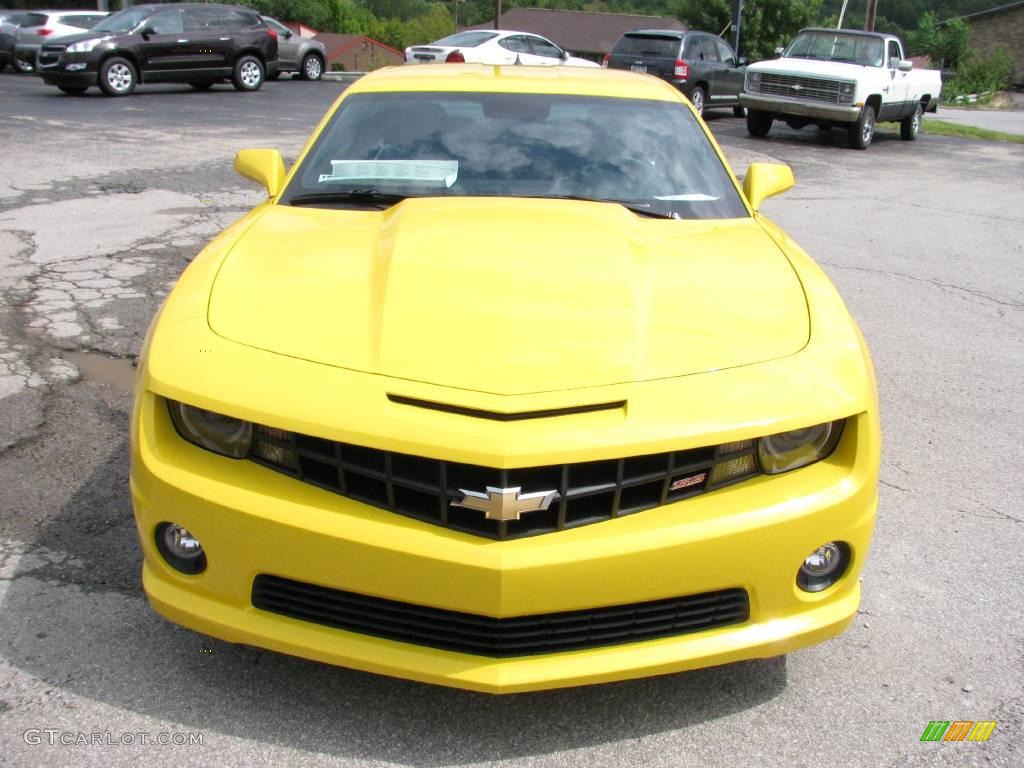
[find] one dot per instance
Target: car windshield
(836, 46)
(466, 39)
(652, 154)
(123, 21)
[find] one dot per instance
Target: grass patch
(942, 128)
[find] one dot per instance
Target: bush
(980, 74)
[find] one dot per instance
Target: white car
(43, 26)
(494, 46)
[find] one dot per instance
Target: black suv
(175, 43)
(701, 65)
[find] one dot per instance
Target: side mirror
(779, 51)
(743, 61)
(564, 55)
(288, 35)
(262, 165)
(894, 62)
(905, 66)
(764, 180)
(147, 30)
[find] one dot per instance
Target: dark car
(175, 43)
(701, 65)
(9, 23)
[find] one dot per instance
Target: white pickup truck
(840, 78)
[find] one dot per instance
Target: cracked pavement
(103, 202)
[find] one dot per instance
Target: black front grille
(487, 636)
(587, 492)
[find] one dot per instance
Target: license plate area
(641, 68)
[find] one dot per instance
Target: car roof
(515, 78)
(860, 32)
(676, 33)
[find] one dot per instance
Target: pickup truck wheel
(911, 126)
(861, 132)
(249, 74)
(758, 122)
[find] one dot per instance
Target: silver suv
(40, 27)
(296, 53)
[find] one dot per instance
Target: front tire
(860, 133)
(249, 74)
(73, 90)
(758, 122)
(698, 99)
(312, 67)
(911, 126)
(23, 65)
(118, 76)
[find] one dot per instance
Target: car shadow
(77, 619)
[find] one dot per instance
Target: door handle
(886, 89)
(182, 41)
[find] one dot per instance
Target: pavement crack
(998, 514)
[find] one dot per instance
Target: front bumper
(837, 112)
(68, 69)
(752, 535)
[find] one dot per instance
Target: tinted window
(123, 21)
(467, 39)
(725, 53)
(199, 19)
(701, 49)
(166, 23)
(894, 50)
(82, 22)
(543, 47)
(521, 145)
(34, 20)
(236, 18)
(277, 26)
(516, 43)
(647, 45)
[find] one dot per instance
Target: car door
(163, 44)
(512, 49)
(288, 43)
(894, 102)
(545, 52)
(730, 74)
(208, 42)
(709, 68)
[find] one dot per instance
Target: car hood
(76, 37)
(509, 296)
(809, 67)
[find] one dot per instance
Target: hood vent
(479, 413)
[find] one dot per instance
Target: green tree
(764, 25)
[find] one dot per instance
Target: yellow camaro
(507, 386)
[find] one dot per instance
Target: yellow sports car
(507, 386)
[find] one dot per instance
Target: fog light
(74, 67)
(180, 549)
(823, 567)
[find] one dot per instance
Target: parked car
(701, 65)
(42, 26)
(296, 53)
(9, 22)
(175, 43)
(531, 397)
(840, 79)
(493, 46)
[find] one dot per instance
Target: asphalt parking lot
(104, 201)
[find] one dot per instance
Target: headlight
(754, 78)
(846, 91)
(84, 46)
(212, 431)
(798, 447)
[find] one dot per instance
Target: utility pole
(497, 14)
(842, 13)
(456, 4)
(737, 9)
(869, 18)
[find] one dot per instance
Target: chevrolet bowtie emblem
(504, 503)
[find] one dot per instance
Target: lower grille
(487, 636)
(797, 87)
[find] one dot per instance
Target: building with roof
(586, 34)
(358, 53)
(1000, 27)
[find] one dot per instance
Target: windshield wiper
(371, 198)
(641, 209)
